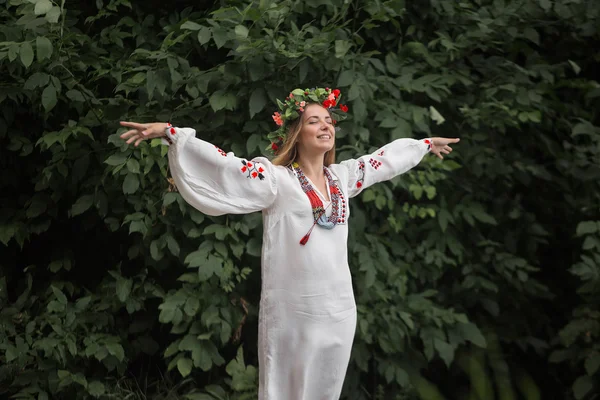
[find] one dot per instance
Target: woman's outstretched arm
(209, 179)
(391, 160)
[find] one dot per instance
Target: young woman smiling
(307, 314)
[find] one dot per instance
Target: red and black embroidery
(337, 201)
(342, 203)
(252, 170)
(171, 130)
(381, 153)
(361, 174)
(221, 151)
(428, 143)
(374, 163)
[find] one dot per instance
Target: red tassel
(307, 236)
(304, 239)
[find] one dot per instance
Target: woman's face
(317, 134)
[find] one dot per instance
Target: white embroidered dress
(307, 314)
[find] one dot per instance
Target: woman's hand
(140, 132)
(441, 146)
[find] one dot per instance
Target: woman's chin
(325, 146)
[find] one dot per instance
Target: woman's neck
(311, 165)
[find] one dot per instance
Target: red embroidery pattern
(341, 218)
(253, 170)
(375, 164)
(361, 174)
(381, 153)
(428, 143)
(170, 129)
(221, 151)
(337, 200)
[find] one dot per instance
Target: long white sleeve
(385, 163)
(215, 182)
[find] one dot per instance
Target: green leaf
(220, 36)
(546, 5)
(204, 35)
(123, 287)
(436, 116)
(131, 184)
(586, 228)
(172, 349)
(43, 47)
(258, 101)
(253, 143)
(241, 31)
(96, 389)
(532, 34)
(482, 216)
(11, 353)
(346, 78)
(49, 98)
(445, 351)
(26, 53)
(42, 7)
(116, 350)
(444, 217)
(582, 386)
(133, 166)
(62, 299)
(471, 333)
(222, 100)
(38, 79)
(202, 358)
(184, 365)
(212, 266)
(592, 363)
(53, 15)
(7, 232)
(575, 67)
(116, 159)
(170, 198)
(341, 48)
(192, 306)
(173, 246)
(192, 26)
(82, 204)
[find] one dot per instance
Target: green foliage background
(477, 278)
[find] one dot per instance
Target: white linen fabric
(307, 314)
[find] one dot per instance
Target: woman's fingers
(137, 142)
(445, 141)
(134, 125)
(132, 139)
(129, 134)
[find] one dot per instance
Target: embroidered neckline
(335, 194)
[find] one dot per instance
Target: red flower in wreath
(277, 119)
(336, 92)
(327, 103)
(274, 147)
(344, 108)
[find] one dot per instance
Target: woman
(307, 312)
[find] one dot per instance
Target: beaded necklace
(319, 212)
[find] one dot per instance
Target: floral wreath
(293, 107)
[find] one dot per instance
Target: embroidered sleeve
(216, 182)
(387, 162)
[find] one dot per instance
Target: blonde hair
(288, 153)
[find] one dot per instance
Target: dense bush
(476, 278)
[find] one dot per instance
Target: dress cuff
(173, 135)
(426, 143)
